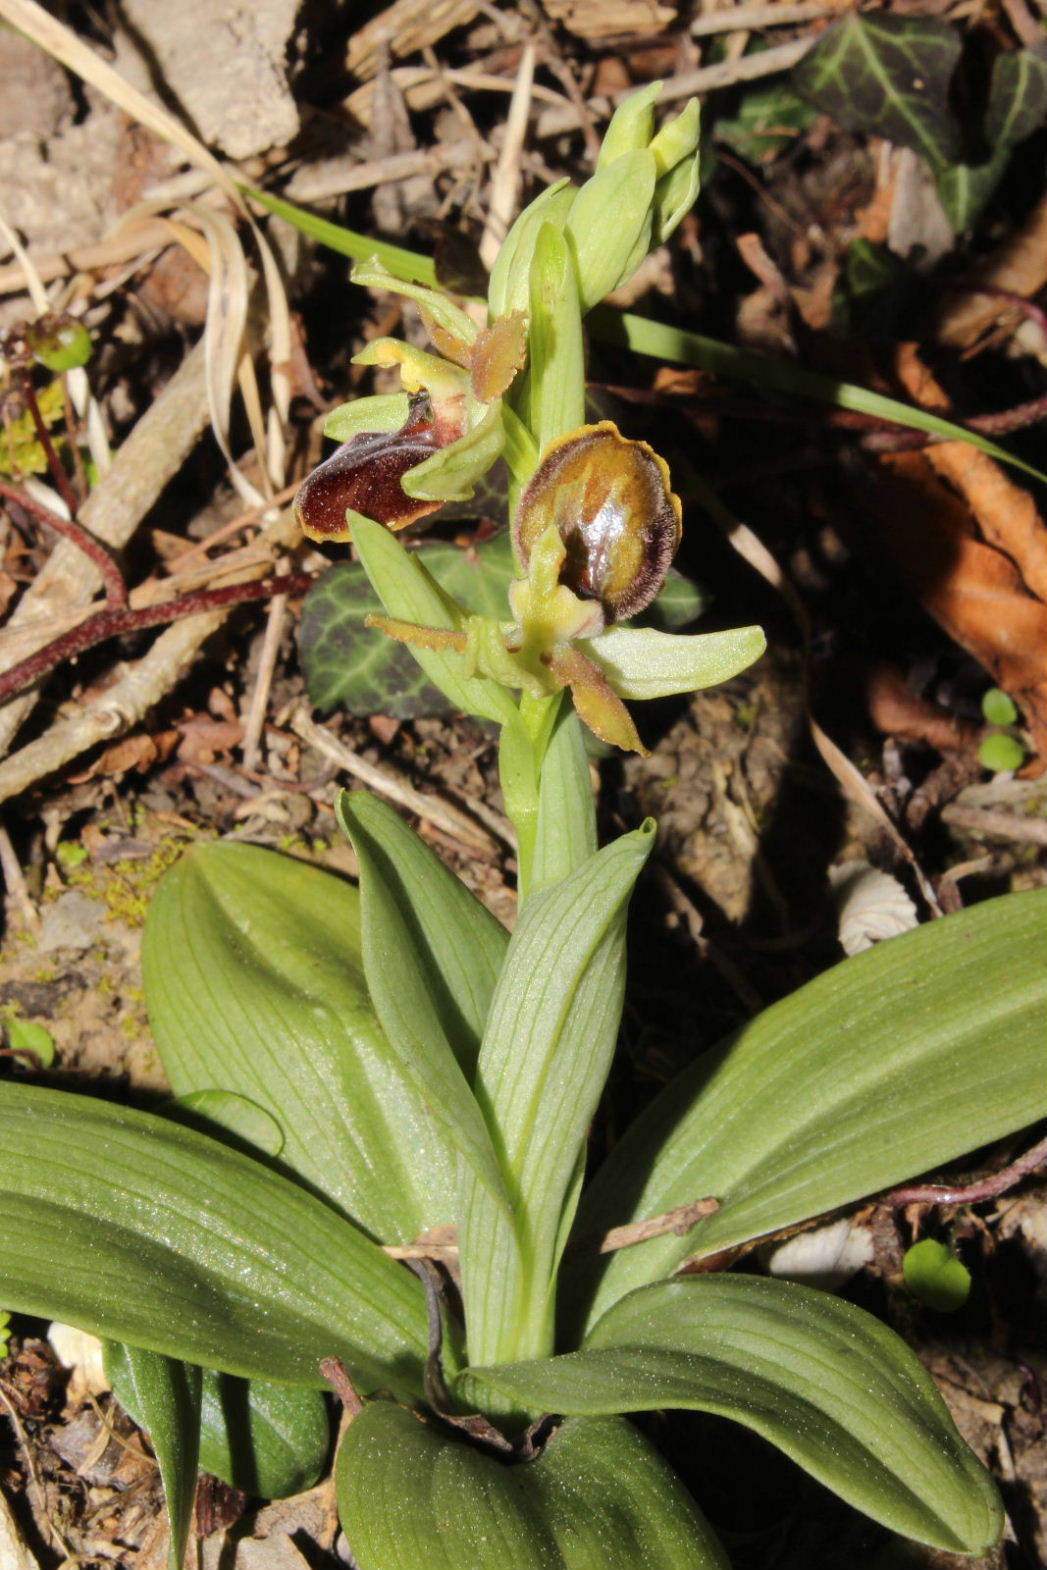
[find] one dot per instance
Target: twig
(274, 628)
(14, 878)
(117, 709)
(998, 825)
(443, 815)
(338, 176)
(555, 120)
(746, 18)
(969, 1193)
(41, 1514)
(505, 186)
(118, 622)
(678, 1221)
(149, 457)
(95, 550)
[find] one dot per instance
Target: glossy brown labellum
(364, 474)
(610, 501)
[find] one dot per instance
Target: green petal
(641, 662)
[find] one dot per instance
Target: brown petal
(364, 474)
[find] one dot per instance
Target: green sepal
(410, 593)
(372, 275)
(631, 127)
(824, 1381)
(509, 288)
(556, 372)
(609, 225)
(641, 662)
(389, 412)
(599, 1497)
(453, 473)
(163, 1396)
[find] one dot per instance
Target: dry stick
(153, 452)
(264, 679)
(997, 825)
(505, 187)
(112, 577)
(442, 814)
(16, 884)
(118, 622)
(969, 1193)
(557, 119)
(338, 177)
(118, 708)
(752, 18)
(124, 245)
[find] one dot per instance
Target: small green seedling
(376, 1174)
(935, 1276)
(1001, 752)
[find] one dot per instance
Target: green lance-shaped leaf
(136, 1229)
(163, 1396)
(675, 343)
(545, 1056)
(824, 1381)
(641, 662)
(432, 955)
(410, 593)
(255, 980)
(892, 1062)
(566, 835)
(269, 1440)
(598, 1498)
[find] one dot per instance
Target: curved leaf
(890, 1063)
(269, 1440)
(598, 1498)
(432, 954)
(163, 1396)
(545, 1056)
(827, 1383)
(142, 1231)
(255, 983)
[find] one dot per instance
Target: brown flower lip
(610, 501)
(364, 474)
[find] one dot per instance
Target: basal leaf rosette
(594, 535)
(403, 455)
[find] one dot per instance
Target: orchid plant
(373, 1174)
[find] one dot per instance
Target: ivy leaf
(890, 75)
(356, 668)
(770, 117)
(1016, 109)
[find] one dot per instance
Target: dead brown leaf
(922, 532)
(1005, 513)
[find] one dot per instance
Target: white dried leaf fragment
(870, 906)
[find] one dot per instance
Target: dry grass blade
(60, 42)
